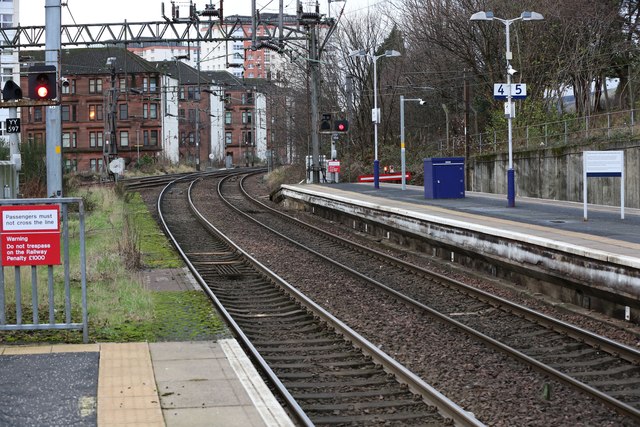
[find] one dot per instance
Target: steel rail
(628, 353)
(588, 337)
(284, 393)
(445, 406)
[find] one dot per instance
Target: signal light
(42, 82)
(11, 91)
(341, 126)
(325, 123)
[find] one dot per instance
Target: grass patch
(156, 250)
(121, 239)
(177, 316)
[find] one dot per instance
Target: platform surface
(559, 222)
(135, 384)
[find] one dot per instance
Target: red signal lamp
(341, 126)
(42, 82)
(42, 92)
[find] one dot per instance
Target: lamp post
(402, 150)
(375, 113)
(525, 16)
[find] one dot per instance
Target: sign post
(603, 164)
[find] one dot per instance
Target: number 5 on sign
(518, 90)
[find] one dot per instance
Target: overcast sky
(115, 11)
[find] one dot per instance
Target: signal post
(42, 91)
(335, 128)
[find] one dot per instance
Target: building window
(153, 84)
(95, 139)
(69, 113)
(150, 84)
(71, 165)
(181, 113)
(247, 137)
(150, 111)
(38, 138)
(123, 111)
(150, 137)
(123, 84)
(192, 115)
(95, 164)
(95, 112)
(72, 84)
(228, 138)
(7, 74)
(6, 20)
(192, 139)
(227, 118)
(193, 93)
(37, 114)
(181, 94)
(95, 85)
(69, 140)
(124, 138)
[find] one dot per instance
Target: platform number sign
(12, 125)
(518, 90)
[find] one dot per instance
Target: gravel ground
(498, 390)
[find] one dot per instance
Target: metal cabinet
(444, 178)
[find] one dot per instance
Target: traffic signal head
(11, 91)
(325, 123)
(341, 126)
(42, 82)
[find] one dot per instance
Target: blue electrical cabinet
(444, 178)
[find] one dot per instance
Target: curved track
(326, 373)
(595, 365)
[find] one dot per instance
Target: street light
(375, 113)
(402, 150)
(509, 109)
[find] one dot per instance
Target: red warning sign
(30, 235)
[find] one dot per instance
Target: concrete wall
(556, 173)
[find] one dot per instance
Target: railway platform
(544, 245)
(135, 384)
(197, 383)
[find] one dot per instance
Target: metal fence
(605, 126)
(70, 310)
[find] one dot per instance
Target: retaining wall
(556, 173)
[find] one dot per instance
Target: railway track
(154, 181)
(599, 367)
(326, 373)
